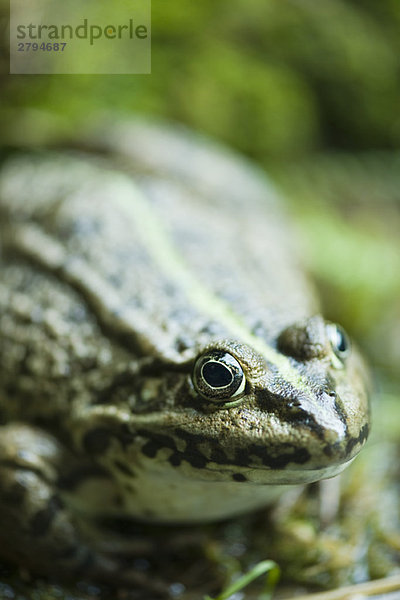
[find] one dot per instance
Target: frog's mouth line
(215, 474)
(259, 476)
(254, 456)
(287, 465)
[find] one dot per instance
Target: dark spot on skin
(157, 441)
(239, 477)
(277, 457)
(183, 343)
(198, 461)
(125, 469)
(191, 454)
(150, 449)
(124, 436)
(73, 479)
(352, 442)
(175, 460)
(96, 441)
(218, 455)
(121, 380)
(42, 520)
(328, 450)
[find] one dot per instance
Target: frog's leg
(37, 529)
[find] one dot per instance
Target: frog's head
(290, 413)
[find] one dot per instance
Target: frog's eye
(218, 376)
(339, 340)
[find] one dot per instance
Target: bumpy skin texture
(121, 263)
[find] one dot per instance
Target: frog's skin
(121, 264)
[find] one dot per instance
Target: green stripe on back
(159, 244)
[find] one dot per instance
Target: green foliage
(268, 567)
(274, 79)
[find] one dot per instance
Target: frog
(163, 356)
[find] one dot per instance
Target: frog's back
(153, 246)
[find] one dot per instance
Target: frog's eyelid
(241, 388)
(336, 362)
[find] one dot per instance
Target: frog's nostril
(304, 340)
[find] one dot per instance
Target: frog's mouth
(286, 466)
(254, 476)
(288, 476)
(276, 462)
(281, 463)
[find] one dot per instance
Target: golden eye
(218, 376)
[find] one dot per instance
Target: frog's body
(118, 272)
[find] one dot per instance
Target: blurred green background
(277, 80)
(311, 91)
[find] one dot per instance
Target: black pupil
(341, 343)
(216, 374)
